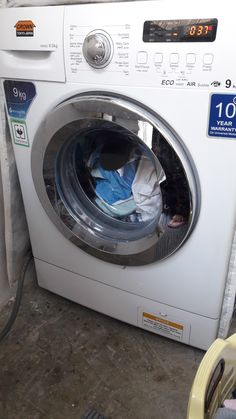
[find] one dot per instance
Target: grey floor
(62, 359)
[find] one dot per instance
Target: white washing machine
(122, 117)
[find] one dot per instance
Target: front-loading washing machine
(122, 117)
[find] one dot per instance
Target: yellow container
(215, 380)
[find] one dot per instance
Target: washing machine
(122, 118)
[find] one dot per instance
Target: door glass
(114, 175)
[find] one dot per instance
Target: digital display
(184, 30)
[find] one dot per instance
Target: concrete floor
(62, 359)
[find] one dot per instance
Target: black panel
(184, 30)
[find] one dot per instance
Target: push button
(190, 58)
(142, 57)
(174, 58)
(158, 58)
(208, 59)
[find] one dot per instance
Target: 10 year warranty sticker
(19, 132)
(222, 118)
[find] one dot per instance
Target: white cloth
(146, 190)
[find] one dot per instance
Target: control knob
(98, 49)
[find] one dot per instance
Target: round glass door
(115, 179)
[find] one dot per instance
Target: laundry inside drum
(119, 175)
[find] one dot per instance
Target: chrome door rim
(125, 253)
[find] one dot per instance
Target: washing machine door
(115, 179)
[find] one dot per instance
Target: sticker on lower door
(157, 324)
(19, 132)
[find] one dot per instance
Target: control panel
(133, 44)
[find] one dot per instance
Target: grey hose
(6, 329)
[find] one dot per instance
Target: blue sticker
(222, 120)
(19, 96)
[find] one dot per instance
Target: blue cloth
(110, 185)
(119, 209)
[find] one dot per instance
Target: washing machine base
(182, 326)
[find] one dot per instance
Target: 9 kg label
(19, 97)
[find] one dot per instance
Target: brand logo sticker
(24, 28)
